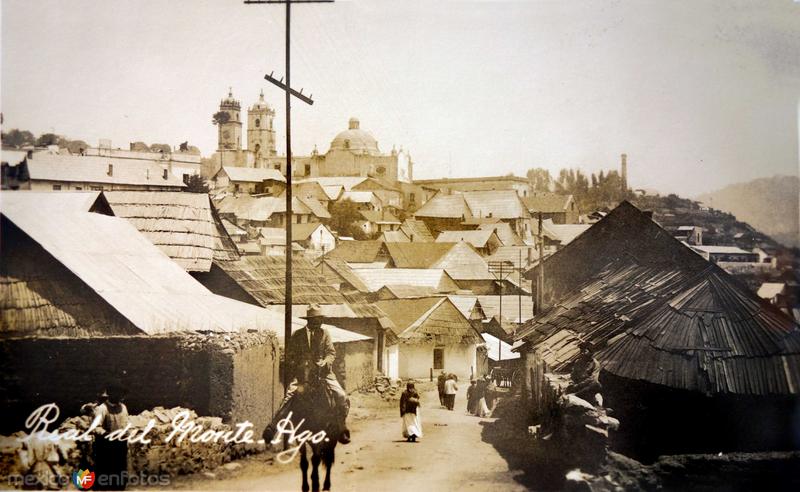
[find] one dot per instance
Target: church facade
(353, 152)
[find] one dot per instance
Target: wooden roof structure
(416, 230)
(429, 319)
(359, 251)
(70, 272)
(182, 225)
(655, 311)
(263, 278)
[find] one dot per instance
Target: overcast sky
(699, 94)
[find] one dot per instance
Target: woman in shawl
(409, 411)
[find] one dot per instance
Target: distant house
(433, 278)
(185, 226)
(48, 171)
(366, 201)
(373, 222)
(433, 336)
(727, 254)
(561, 209)
(394, 237)
(354, 188)
(501, 319)
(484, 241)
(460, 260)
(504, 232)
(689, 234)
(446, 212)
(772, 291)
(269, 211)
(261, 280)
(520, 185)
(559, 235)
(254, 181)
(312, 238)
(361, 252)
(417, 231)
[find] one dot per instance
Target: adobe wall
(219, 375)
(355, 364)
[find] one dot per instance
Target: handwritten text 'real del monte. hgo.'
(183, 428)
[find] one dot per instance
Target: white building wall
(416, 360)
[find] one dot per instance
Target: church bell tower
(260, 132)
(230, 127)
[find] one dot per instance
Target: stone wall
(233, 376)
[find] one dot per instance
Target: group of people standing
(447, 385)
(480, 397)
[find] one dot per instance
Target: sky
(699, 94)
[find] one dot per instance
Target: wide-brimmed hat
(314, 311)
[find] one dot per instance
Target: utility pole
(287, 302)
(519, 289)
(500, 270)
(540, 290)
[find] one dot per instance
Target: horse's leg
(304, 467)
(329, 457)
(315, 459)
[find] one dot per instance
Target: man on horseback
(310, 355)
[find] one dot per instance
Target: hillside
(771, 205)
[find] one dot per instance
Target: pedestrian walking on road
(440, 385)
(472, 397)
(409, 412)
(450, 389)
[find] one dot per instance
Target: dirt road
(450, 456)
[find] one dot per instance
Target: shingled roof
(67, 271)
(546, 202)
(429, 319)
(417, 231)
(658, 312)
(263, 278)
(359, 251)
(182, 225)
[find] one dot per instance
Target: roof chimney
(624, 171)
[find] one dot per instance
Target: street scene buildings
(539, 326)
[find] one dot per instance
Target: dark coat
(409, 401)
(302, 357)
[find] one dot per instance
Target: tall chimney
(624, 172)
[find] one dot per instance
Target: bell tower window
(258, 123)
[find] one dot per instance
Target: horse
(313, 404)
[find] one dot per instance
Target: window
(438, 358)
(185, 178)
(412, 198)
(277, 166)
(56, 187)
(97, 188)
(308, 169)
(258, 123)
(79, 188)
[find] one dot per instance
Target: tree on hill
(46, 139)
(344, 217)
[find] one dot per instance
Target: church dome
(355, 140)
